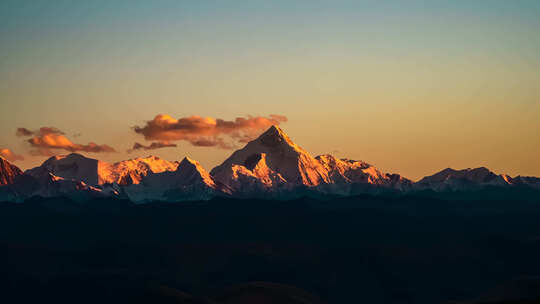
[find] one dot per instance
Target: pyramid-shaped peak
(274, 130)
(189, 164)
(190, 169)
(280, 154)
(275, 136)
(189, 161)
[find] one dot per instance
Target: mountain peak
(132, 171)
(72, 166)
(281, 155)
(191, 166)
(275, 129)
(8, 172)
(275, 136)
(189, 161)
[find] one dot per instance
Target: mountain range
(271, 166)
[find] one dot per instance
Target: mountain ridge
(270, 166)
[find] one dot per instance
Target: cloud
(207, 131)
(48, 138)
(9, 155)
(24, 132)
(152, 146)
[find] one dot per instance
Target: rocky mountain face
(18, 186)
(274, 163)
(94, 172)
(271, 166)
(271, 162)
(132, 171)
(190, 181)
(55, 186)
(351, 172)
(73, 167)
(8, 172)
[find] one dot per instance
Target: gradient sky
(410, 86)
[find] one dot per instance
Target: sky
(411, 87)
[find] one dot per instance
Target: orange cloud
(47, 138)
(9, 155)
(207, 131)
(152, 146)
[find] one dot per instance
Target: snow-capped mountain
(18, 186)
(253, 177)
(190, 181)
(474, 179)
(55, 186)
(272, 162)
(72, 167)
(132, 171)
(94, 172)
(463, 180)
(346, 171)
(271, 166)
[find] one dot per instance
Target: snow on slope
(8, 172)
(271, 166)
(190, 181)
(462, 180)
(346, 171)
(94, 172)
(54, 186)
(73, 167)
(271, 161)
(132, 171)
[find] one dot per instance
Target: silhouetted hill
(368, 249)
